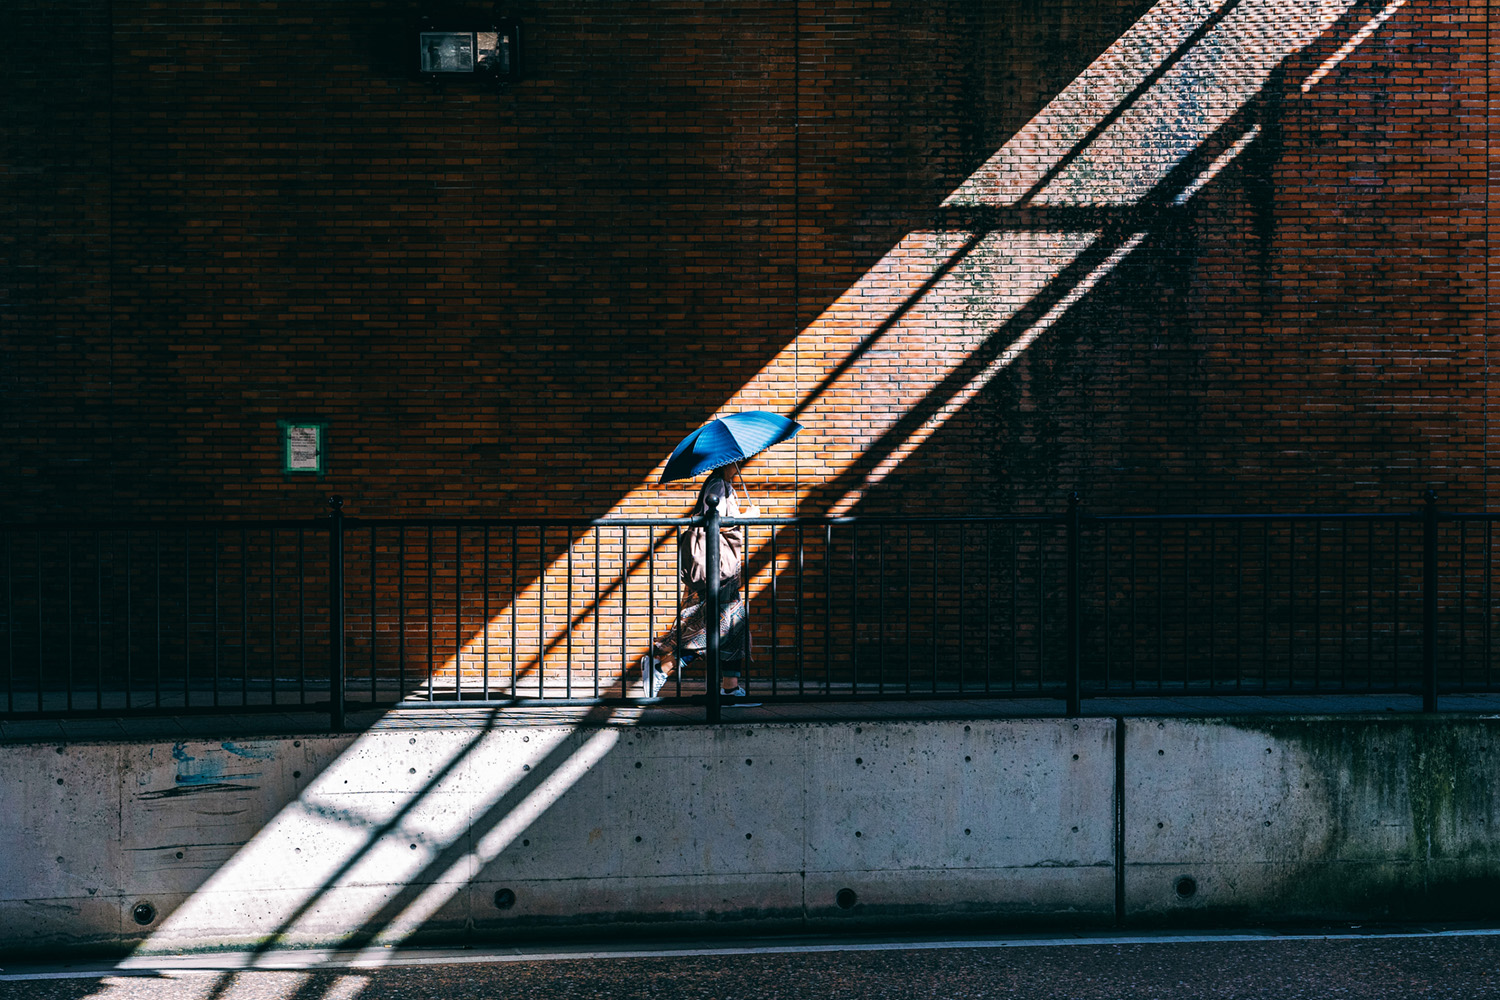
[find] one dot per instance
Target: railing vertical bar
(1463, 598)
(1429, 602)
(651, 544)
(1489, 563)
(515, 597)
(541, 610)
(1015, 600)
(775, 608)
(272, 665)
(1108, 605)
(1161, 608)
(1344, 604)
(908, 607)
(714, 679)
(1291, 603)
(625, 604)
(827, 608)
(1187, 609)
(10, 626)
(1135, 594)
(1041, 608)
(374, 618)
(1213, 606)
(213, 540)
(1317, 622)
(962, 607)
(40, 634)
(568, 623)
(676, 535)
(458, 612)
(598, 611)
(129, 614)
(337, 679)
(1074, 652)
(68, 611)
(933, 619)
(244, 617)
(989, 585)
(98, 621)
(1369, 604)
(157, 581)
(880, 605)
(745, 596)
(484, 614)
(853, 608)
(1265, 606)
(401, 613)
(1396, 604)
(427, 554)
(1239, 606)
(302, 616)
(187, 617)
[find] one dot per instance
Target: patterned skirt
(691, 633)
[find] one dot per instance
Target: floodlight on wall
(468, 52)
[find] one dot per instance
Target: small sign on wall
(304, 447)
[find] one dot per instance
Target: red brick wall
(220, 216)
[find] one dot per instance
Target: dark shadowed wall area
(219, 216)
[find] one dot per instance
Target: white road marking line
(283, 961)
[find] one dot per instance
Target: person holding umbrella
(722, 445)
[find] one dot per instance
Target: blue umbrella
(726, 439)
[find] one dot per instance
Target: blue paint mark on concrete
(254, 754)
(207, 769)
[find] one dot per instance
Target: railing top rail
(902, 519)
(1205, 518)
(642, 522)
(352, 521)
(320, 523)
(180, 525)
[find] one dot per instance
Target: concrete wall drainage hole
(143, 914)
(504, 899)
(846, 899)
(1186, 887)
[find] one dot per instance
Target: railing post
(1429, 602)
(711, 612)
(336, 612)
(1075, 693)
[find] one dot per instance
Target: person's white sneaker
(735, 698)
(652, 676)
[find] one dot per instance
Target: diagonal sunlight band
(928, 327)
(957, 305)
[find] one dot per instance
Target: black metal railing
(325, 613)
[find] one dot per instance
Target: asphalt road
(1223, 968)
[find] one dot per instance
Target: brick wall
(218, 217)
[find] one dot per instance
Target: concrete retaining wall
(1312, 819)
(400, 835)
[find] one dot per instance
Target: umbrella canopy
(731, 438)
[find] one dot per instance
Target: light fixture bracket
(458, 48)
